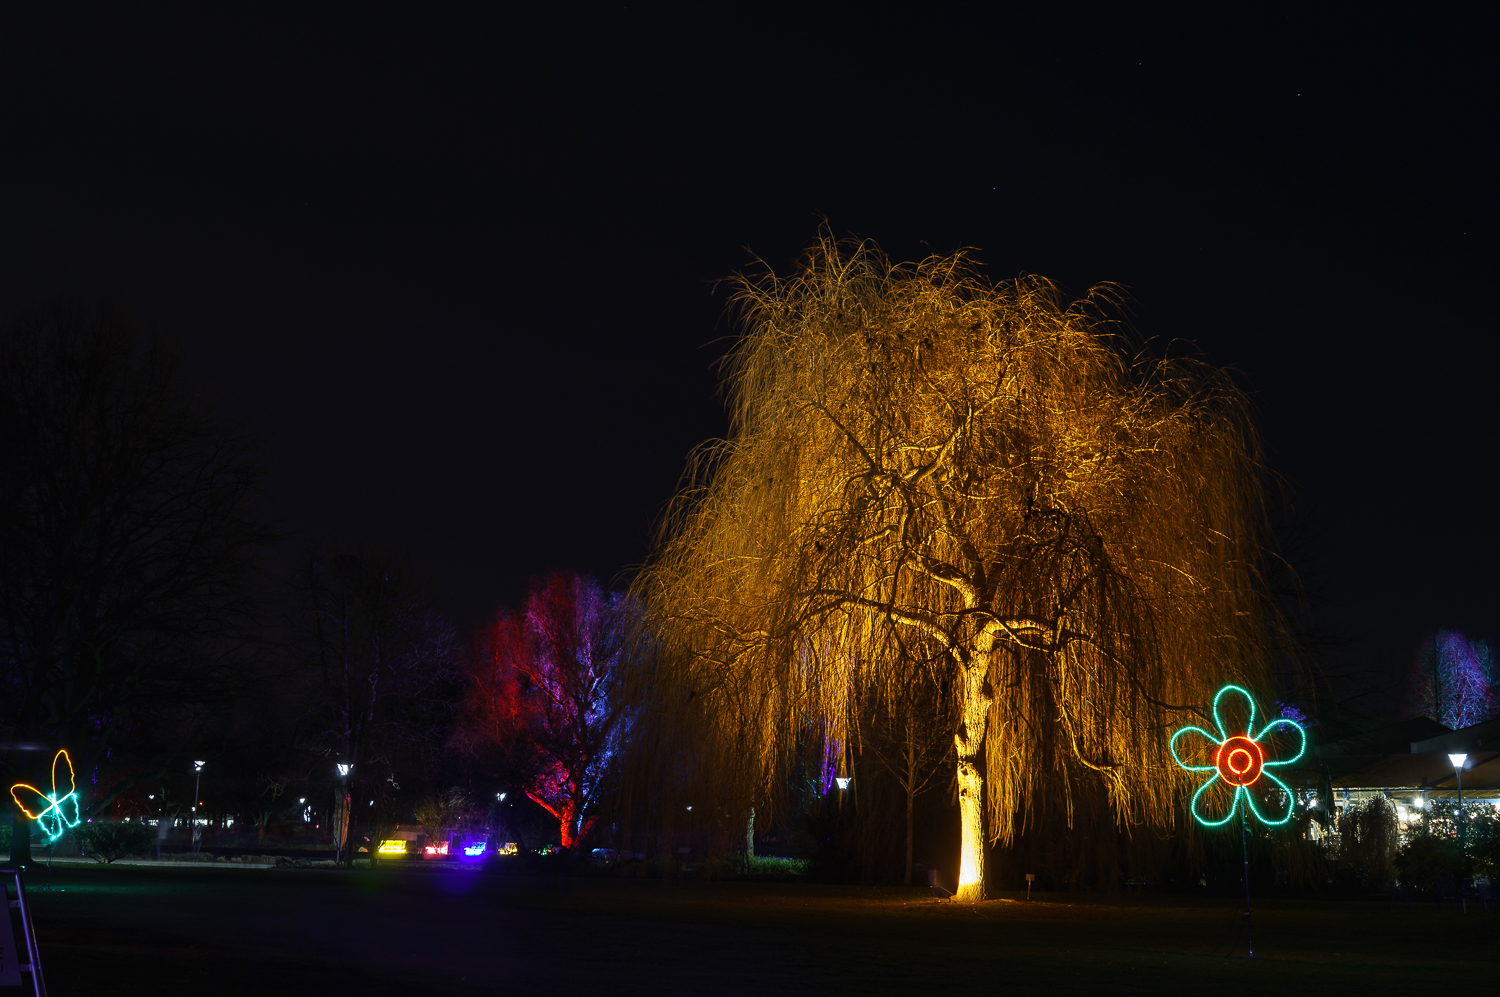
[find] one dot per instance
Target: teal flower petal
(1284, 724)
(1249, 716)
(1202, 746)
(1271, 796)
(1223, 800)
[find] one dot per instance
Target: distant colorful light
(56, 811)
(472, 850)
(1239, 760)
(391, 847)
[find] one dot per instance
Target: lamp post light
(1458, 760)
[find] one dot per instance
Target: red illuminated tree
(540, 696)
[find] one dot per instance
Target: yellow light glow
(968, 874)
(396, 847)
(509, 848)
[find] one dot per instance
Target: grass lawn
(112, 930)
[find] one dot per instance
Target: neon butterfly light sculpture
(55, 811)
(1239, 761)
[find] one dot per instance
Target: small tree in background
(912, 738)
(540, 701)
(388, 662)
(1368, 837)
(452, 811)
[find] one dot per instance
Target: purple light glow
(832, 749)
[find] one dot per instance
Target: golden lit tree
(921, 457)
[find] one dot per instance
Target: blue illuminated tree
(1453, 680)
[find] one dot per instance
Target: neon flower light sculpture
(55, 811)
(1239, 762)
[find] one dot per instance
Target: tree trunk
(910, 786)
(20, 840)
(970, 742)
(906, 880)
(345, 853)
(750, 835)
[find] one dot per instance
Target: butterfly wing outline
(65, 794)
(57, 811)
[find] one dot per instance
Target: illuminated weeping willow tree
(925, 466)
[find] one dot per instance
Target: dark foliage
(109, 840)
(386, 664)
(126, 541)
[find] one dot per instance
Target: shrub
(1425, 859)
(1482, 837)
(107, 841)
(764, 867)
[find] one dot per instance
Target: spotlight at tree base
(55, 811)
(1239, 762)
(843, 781)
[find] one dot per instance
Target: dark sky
(455, 273)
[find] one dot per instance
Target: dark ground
(120, 930)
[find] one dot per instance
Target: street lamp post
(341, 832)
(193, 811)
(1458, 773)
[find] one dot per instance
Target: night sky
(456, 274)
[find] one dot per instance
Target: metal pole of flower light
(194, 835)
(1245, 847)
(1463, 863)
(1239, 760)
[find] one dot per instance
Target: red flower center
(1239, 761)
